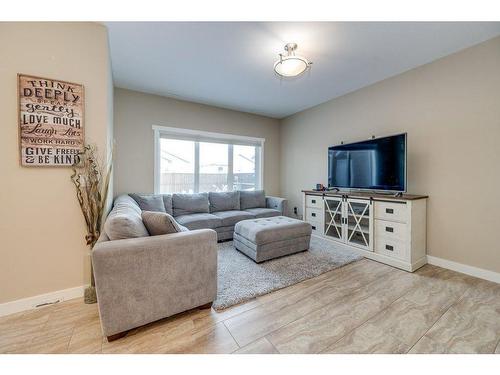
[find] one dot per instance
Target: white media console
(385, 228)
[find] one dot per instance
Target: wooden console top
(385, 197)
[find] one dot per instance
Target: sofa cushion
(229, 218)
(184, 204)
(224, 201)
(158, 223)
(252, 199)
(149, 202)
(224, 233)
(225, 229)
(263, 212)
(167, 202)
(124, 220)
(199, 221)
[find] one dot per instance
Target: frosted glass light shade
(291, 66)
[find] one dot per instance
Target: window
(244, 167)
(214, 167)
(177, 165)
(188, 161)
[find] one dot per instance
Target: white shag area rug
(241, 279)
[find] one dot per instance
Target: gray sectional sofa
(141, 278)
(219, 211)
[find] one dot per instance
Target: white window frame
(204, 136)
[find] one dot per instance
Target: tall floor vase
(91, 180)
(90, 295)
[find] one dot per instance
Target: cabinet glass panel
(333, 218)
(358, 223)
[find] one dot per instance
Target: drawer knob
(389, 247)
(389, 229)
(313, 200)
(313, 214)
(389, 210)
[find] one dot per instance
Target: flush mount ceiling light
(291, 65)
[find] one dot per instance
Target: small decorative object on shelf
(320, 187)
(91, 179)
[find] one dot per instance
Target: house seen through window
(203, 165)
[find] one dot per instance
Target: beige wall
(451, 111)
(42, 229)
(135, 113)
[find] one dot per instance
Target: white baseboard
(463, 268)
(30, 303)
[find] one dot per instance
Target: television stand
(398, 194)
(388, 228)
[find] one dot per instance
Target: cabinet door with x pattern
(359, 223)
(334, 218)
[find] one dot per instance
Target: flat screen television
(376, 164)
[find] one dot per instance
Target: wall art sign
(51, 121)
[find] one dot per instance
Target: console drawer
(316, 227)
(391, 211)
(314, 201)
(313, 214)
(390, 230)
(390, 247)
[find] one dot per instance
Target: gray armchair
(141, 280)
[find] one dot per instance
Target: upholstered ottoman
(272, 237)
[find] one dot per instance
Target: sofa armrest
(140, 280)
(279, 204)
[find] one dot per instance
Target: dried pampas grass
(91, 179)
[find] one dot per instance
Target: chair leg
(206, 306)
(117, 336)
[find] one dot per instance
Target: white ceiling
(230, 65)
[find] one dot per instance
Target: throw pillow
(158, 223)
(149, 202)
